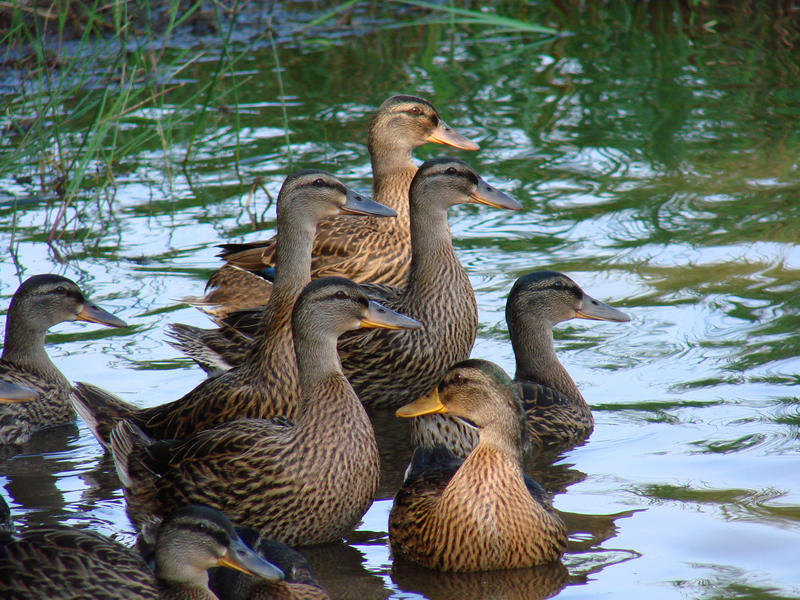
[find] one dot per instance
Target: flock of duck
(277, 440)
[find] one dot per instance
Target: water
(658, 168)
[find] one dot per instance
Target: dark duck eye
(451, 171)
(558, 285)
(319, 182)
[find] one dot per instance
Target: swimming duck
(557, 416)
(389, 370)
(266, 384)
(368, 250)
(298, 583)
(39, 303)
(302, 481)
(61, 562)
(478, 514)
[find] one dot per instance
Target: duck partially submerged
(40, 302)
(302, 481)
(369, 250)
(62, 562)
(478, 514)
(557, 416)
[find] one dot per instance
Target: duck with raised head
(62, 562)
(478, 514)
(266, 384)
(302, 481)
(557, 416)
(367, 250)
(39, 303)
(389, 370)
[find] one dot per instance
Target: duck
(368, 250)
(299, 582)
(39, 303)
(392, 368)
(557, 416)
(477, 514)
(63, 562)
(265, 384)
(300, 482)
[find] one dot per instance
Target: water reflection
(655, 151)
(534, 583)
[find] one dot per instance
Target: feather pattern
(305, 480)
(557, 416)
(480, 514)
(365, 250)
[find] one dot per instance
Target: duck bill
(243, 559)
(94, 314)
(599, 311)
(380, 316)
(358, 204)
(11, 393)
(486, 194)
(427, 405)
(444, 134)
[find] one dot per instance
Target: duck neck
(292, 256)
(179, 583)
(492, 452)
(537, 360)
(185, 591)
(292, 273)
(392, 172)
(433, 259)
(322, 382)
(24, 347)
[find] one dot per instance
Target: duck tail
(127, 441)
(139, 462)
(99, 409)
(192, 341)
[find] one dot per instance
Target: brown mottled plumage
(40, 302)
(557, 415)
(392, 368)
(265, 385)
(367, 250)
(306, 481)
(61, 562)
(483, 516)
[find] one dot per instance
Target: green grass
(103, 83)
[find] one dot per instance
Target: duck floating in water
(40, 302)
(557, 416)
(477, 514)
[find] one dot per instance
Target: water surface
(655, 153)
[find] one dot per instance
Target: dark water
(656, 153)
